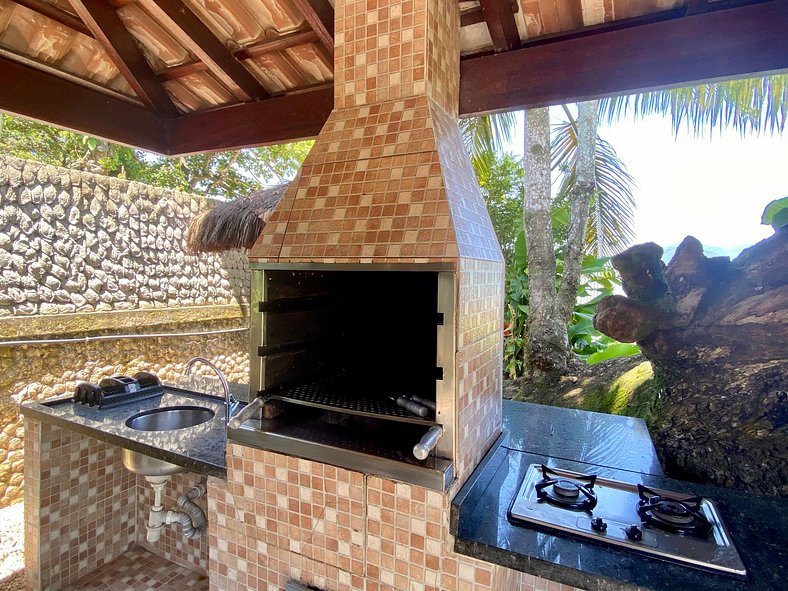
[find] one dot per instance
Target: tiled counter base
(85, 515)
(278, 518)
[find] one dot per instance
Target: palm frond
(613, 207)
(749, 105)
(484, 136)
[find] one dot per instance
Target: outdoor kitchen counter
(758, 525)
(199, 449)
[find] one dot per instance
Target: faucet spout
(229, 400)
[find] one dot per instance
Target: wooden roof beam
(320, 16)
(199, 39)
(499, 16)
(56, 14)
(275, 120)
(109, 30)
(471, 16)
(33, 93)
(248, 52)
(732, 42)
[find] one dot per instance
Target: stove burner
(566, 488)
(672, 515)
(570, 493)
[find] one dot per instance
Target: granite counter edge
(192, 464)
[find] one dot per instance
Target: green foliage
(635, 393)
(486, 136)
(224, 174)
(776, 214)
(502, 188)
(612, 351)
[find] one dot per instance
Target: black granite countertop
(200, 448)
(757, 525)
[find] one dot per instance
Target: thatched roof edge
(232, 224)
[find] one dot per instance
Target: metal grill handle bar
(247, 412)
(423, 448)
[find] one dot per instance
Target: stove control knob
(634, 533)
(598, 524)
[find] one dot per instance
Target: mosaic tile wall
(280, 518)
(172, 545)
(388, 179)
(79, 505)
(386, 50)
(389, 182)
(479, 361)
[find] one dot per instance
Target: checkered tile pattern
(479, 362)
(79, 505)
(139, 570)
(295, 506)
(389, 182)
(274, 513)
(389, 50)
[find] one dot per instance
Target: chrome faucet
(230, 403)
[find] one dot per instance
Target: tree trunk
(579, 207)
(546, 338)
(717, 331)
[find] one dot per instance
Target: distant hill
(709, 251)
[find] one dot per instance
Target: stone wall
(84, 256)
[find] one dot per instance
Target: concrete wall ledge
(61, 325)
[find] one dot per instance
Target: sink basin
(139, 463)
(162, 419)
(170, 418)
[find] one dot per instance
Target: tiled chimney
(388, 181)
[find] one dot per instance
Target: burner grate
(338, 393)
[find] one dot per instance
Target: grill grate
(338, 393)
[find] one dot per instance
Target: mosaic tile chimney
(388, 183)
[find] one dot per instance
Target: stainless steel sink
(162, 419)
(139, 463)
(170, 418)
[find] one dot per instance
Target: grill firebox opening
(349, 338)
(356, 367)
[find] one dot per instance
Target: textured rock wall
(78, 242)
(83, 255)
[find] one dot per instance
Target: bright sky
(715, 190)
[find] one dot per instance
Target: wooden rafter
(56, 14)
(248, 52)
(726, 43)
(177, 16)
(471, 16)
(499, 16)
(320, 16)
(124, 52)
(276, 120)
(39, 95)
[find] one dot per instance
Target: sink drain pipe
(192, 519)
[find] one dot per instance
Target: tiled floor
(139, 570)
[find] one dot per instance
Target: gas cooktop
(660, 523)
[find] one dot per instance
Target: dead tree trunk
(717, 331)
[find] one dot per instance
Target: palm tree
(485, 136)
(747, 105)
